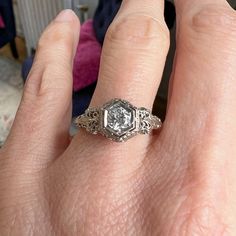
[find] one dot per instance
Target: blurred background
(21, 24)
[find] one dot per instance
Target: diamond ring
(118, 120)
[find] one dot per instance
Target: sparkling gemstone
(119, 118)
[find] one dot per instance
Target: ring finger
(134, 55)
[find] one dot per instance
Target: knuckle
(201, 220)
(216, 21)
(59, 35)
(48, 90)
(138, 30)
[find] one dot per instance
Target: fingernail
(65, 16)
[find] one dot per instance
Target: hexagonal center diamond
(119, 119)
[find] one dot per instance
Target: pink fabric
(2, 25)
(87, 58)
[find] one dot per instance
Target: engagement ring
(118, 120)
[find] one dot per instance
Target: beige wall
(19, 29)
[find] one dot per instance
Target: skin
(178, 182)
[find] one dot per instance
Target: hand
(178, 182)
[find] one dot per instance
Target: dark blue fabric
(170, 14)
(81, 100)
(104, 15)
(107, 10)
(26, 67)
(9, 32)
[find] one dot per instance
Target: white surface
(9, 102)
(35, 16)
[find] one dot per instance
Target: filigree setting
(147, 122)
(118, 120)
